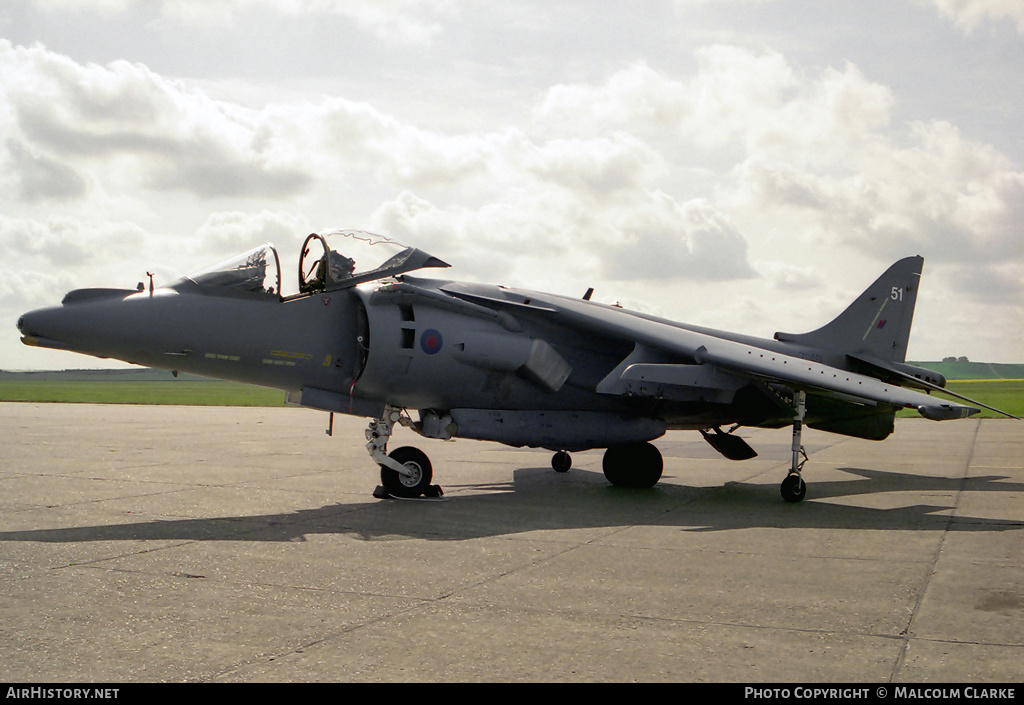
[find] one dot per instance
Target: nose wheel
(406, 471)
(417, 476)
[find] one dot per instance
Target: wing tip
(946, 412)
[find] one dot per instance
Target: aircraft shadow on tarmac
(537, 500)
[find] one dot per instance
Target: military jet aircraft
(362, 336)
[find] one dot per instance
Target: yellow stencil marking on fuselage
(291, 355)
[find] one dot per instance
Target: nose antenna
(150, 275)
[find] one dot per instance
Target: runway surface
(221, 545)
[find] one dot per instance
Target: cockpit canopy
(329, 261)
(340, 259)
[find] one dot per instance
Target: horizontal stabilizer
(923, 382)
(901, 373)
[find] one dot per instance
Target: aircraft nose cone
(33, 325)
(58, 327)
(27, 323)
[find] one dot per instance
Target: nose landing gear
(405, 472)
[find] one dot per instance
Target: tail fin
(878, 323)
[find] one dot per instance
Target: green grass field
(184, 392)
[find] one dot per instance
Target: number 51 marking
(897, 293)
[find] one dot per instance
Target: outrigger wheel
(793, 488)
(561, 461)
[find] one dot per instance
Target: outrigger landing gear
(794, 488)
(561, 461)
(406, 472)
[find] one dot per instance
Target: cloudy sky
(749, 165)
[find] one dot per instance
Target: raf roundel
(431, 342)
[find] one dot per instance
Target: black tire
(638, 465)
(398, 485)
(793, 488)
(561, 461)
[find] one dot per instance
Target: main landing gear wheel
(416, 482)
(637, 465)
(793, 488)
(561, 461)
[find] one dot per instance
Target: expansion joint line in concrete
(908, 633)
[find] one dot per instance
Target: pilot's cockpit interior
(329, 261)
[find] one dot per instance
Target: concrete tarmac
(226, 545)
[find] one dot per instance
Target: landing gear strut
(406, 472)
(794, 488)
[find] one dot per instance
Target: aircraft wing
(709, 359)
(820, 378)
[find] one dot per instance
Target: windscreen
(254, 272)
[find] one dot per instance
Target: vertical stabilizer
(878, 323)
